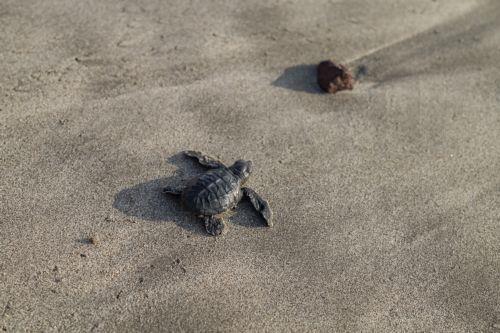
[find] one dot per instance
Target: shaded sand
(386, 198)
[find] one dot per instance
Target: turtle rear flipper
(205, 160)
(259, 204)
(214, 225)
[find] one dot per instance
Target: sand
(386, 198)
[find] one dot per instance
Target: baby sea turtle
(218, 190)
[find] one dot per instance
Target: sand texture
(386, 198)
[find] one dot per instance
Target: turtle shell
(212, 192)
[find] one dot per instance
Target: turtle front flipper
(204, 160)
(259, 204)
(214, 225)
(171, 190)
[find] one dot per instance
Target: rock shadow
(299, 78)
(304, 78)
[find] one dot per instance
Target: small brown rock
(334, 77)
(94, 240)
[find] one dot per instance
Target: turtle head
(242, 169)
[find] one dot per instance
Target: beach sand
(386, 198)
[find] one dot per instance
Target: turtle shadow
(299, 78)
(146, 201)
(246, 216)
